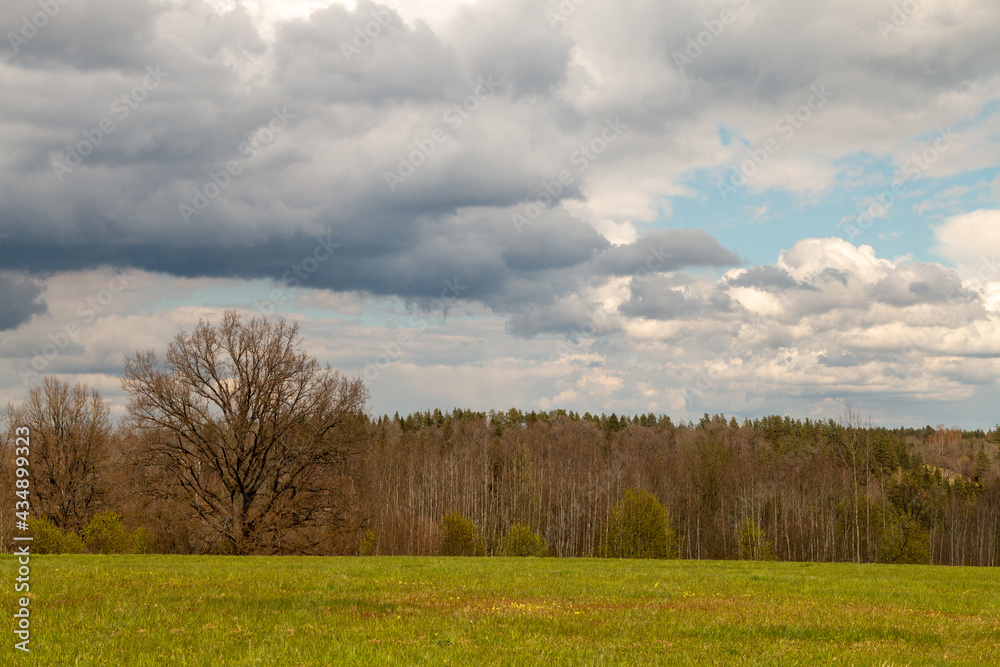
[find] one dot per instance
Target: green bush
(48, 539)
(520, 540)
(142, 543)
(368, 543)
(904, 540)
(106, 533)
(460, 537)
(753, 542)
(639, 527)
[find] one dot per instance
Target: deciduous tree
(70, 430)
(250, 431)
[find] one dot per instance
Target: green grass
(193, 610)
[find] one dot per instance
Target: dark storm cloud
(359, 108)
(553, 246)
(121, 206)
(19, 301)
(388, 256)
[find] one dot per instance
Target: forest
(238, 442)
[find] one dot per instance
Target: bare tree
(70, 433)
(249, 430)
(856, 455)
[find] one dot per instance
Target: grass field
(178, 610)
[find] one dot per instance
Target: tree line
(239, 442)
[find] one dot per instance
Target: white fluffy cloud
(972, 242)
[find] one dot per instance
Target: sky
(747, 207)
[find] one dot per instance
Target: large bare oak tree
(251, 432)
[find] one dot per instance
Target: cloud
(852, 326)
(972, 241)
(661, 298)
(665, 251)
(20, 301)
(87, 36)
(356, 116)
(766, 278)
(405, 151)
(912, 284)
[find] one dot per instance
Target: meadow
(218, 610)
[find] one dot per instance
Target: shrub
(639, 527)
(142, 543)
(460, 537)
(48, 539)
(753, 542)
(904, 540)
(368, 543)
(520, 540)
(106, 533)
